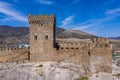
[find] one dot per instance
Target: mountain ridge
(13, 36)
(115, 37)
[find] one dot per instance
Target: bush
(82, 78)
(40, 65)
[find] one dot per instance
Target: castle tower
(42, 35)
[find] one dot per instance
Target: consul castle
(45, 47)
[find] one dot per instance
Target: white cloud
(79, 27)
(7, 9)
(98, 23)
(92, 25)
(67, 21)
(113, 11)
(45, 2)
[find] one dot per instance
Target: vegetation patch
(40, 65)
(82, 78)
(97, 75)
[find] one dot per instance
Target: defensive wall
(14, 55)
(85, 53)
(44, 47)
(97, 53)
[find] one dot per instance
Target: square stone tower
(42, 35)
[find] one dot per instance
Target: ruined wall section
(101, 55)
(14, 54)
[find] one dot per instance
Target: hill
(75, 34)
(13, 36)
(115, 38)
(116, 43)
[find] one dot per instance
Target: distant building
(116, 53)
(24, 45)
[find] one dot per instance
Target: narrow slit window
(35, 37)
(76, 48)
(46, 37)
(89, 53)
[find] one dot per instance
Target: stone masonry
(44, 47)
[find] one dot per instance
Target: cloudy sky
(98, 17)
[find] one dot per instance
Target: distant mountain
(13, 36)
(7, 31)
(75, 34)
(115, 38)
(115, 41)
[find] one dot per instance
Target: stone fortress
(45, 47)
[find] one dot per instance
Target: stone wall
(14, 55)
(88, 54)
(101, 57)
(96, 53)
(42, 35)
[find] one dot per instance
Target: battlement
(10, 49)
(96, 43)
(44, 47)
(70, 45)
(100, 40)
(40, 18)
(14, 54)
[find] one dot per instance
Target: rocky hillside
(12, 36)
(52, 71)
(8, 31)
(75, 34)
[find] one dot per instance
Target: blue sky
(98, 17)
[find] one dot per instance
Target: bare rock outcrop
(48, 71)
(103, 76)
(17, 72)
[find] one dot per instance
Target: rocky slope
(49, 71)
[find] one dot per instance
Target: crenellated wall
(95, 53)
(14, 54)
(71, 45)
(44, 47)
(100, 40)
(44, 19)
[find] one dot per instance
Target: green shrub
(40, 65)
(41, 74)
(96, 75)
(82, 78)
